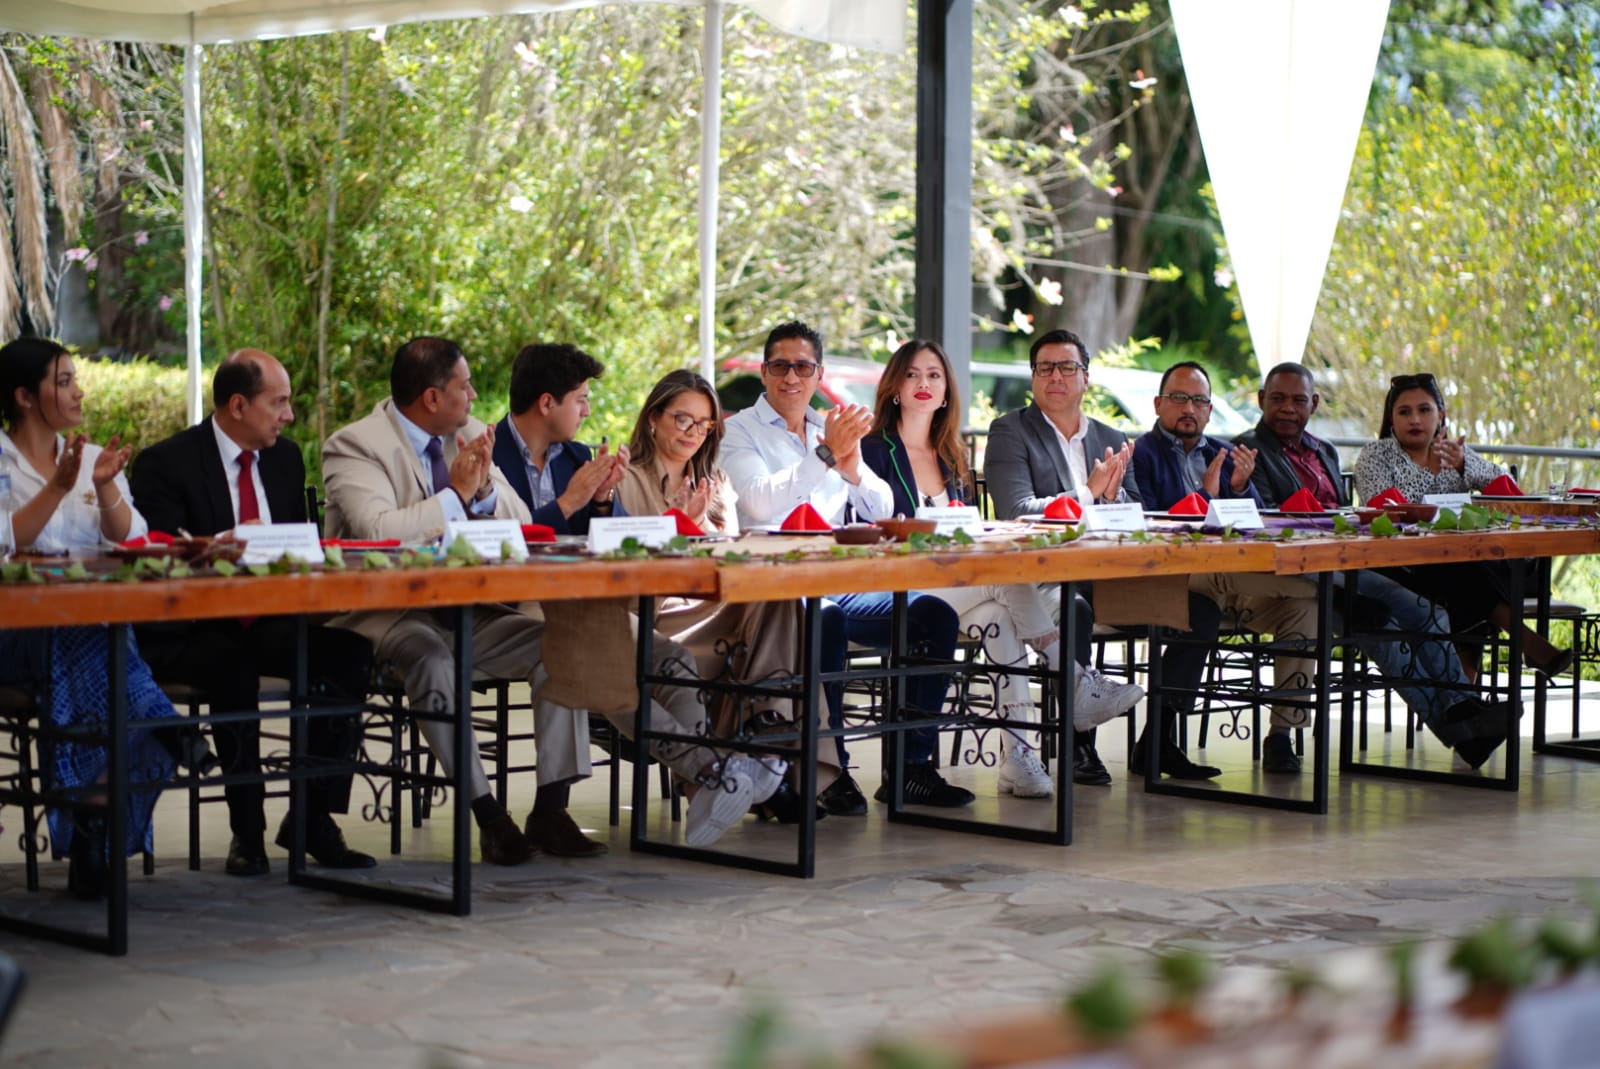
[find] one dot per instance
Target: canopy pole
(194, 222)
(710, 178)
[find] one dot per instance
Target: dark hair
(944, 433)
(1182, 365)
(1399, 385)
(642, 446)
(422, 364)
(551, 369)
(1289, 367)
(25, 363)
(236, 376)
(792, 329)
(1057, 337)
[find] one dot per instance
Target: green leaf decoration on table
(333, 558)
(961, 538)
(180, 570)
(286, 565)
(1230, 533)
(1106, 1009)
(463, 550)
(1383, 527)
(1142, 537)
(75, 570)
(20, 572)
(507, 551)
(1184, 974)
(1342, 525)
(737, 556)
(376, 560)
(1447, 520)
(224, 568)
(258, 569)
(1475, 518)
(678, 543)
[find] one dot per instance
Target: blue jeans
(867, 619)
(1418, 664)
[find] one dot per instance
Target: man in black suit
(559, 479)
(231, 469)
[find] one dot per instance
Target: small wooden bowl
(858, 534)
(1367, 515)
(901, 529)
(1411, 512)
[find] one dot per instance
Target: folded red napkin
(1503, 486)
(363, 543)
(1065, 507)
(686, 526)
(1302, 501)
(1390, 496)
(806, 518)
(1193, 505)
(1582, 490)
(154, 538)
(538, 532)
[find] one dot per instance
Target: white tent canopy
(875, 24)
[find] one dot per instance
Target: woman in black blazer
(916, 447)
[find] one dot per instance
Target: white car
(1124, 397)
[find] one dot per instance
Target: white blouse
(76, 521)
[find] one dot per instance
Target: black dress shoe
(1174, 763)
(86, 857)
(924, 786)
(325, 843)
(501, 842)
(1558, 664)
(843, 798)
(785, 806)
(1087, 768)
(560, 836)
(1278, 757)
(246, 858)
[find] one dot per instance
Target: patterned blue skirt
(73, 661)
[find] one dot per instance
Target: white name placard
(487, 536)
(1240, 513)
(1449, 501)
(266, 542)
(1128, 516)
(952, 518)
(607, 532)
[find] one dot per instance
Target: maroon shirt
(1313, 476)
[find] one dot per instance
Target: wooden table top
(1582, 507)
(771, 574)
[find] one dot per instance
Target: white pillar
(710, 177)
(194, 221)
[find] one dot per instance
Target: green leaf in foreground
(224, 568)
(376, 560)
(1383, 527)
(75, 570)
(1106, 1009)
(333, 557)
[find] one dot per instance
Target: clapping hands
(1105, 479)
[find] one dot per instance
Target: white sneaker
(719, 805)
(1023, 775)
(1096, 699)
(765, 773)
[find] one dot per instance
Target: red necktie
(248, 508)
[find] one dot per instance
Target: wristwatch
(825, 455)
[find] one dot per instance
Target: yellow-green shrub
(140, 400)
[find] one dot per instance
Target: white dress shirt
(1076, 450)
(774, 471)
(75, 524)
(231, 451)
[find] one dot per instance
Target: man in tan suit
(418, 461)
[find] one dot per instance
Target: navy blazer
(886, 455)
(1157, 465)
(567, 460)
(180, 482)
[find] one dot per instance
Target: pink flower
(1115, 191)
(165, 304)
(91, 263)
(141, 237)
(75, 255)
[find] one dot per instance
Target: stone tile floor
(630, 958)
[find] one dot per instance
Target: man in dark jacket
(233, 468)
(1287, 457)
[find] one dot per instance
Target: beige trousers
(1283, 606)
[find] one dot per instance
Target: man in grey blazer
(417, 461)
(1050, 448)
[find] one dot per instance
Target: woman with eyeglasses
(70, 494)
(1415, 454)
(673, 465)
(915, 446)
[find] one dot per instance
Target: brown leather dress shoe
(501, 843)
(560, 836)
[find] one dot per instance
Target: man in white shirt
(781, 454)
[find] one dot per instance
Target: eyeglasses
(1067, 369)
(1200, 400)
(781, 368)
(687, 423)
(1423, 381)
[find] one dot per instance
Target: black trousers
(226, 659)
